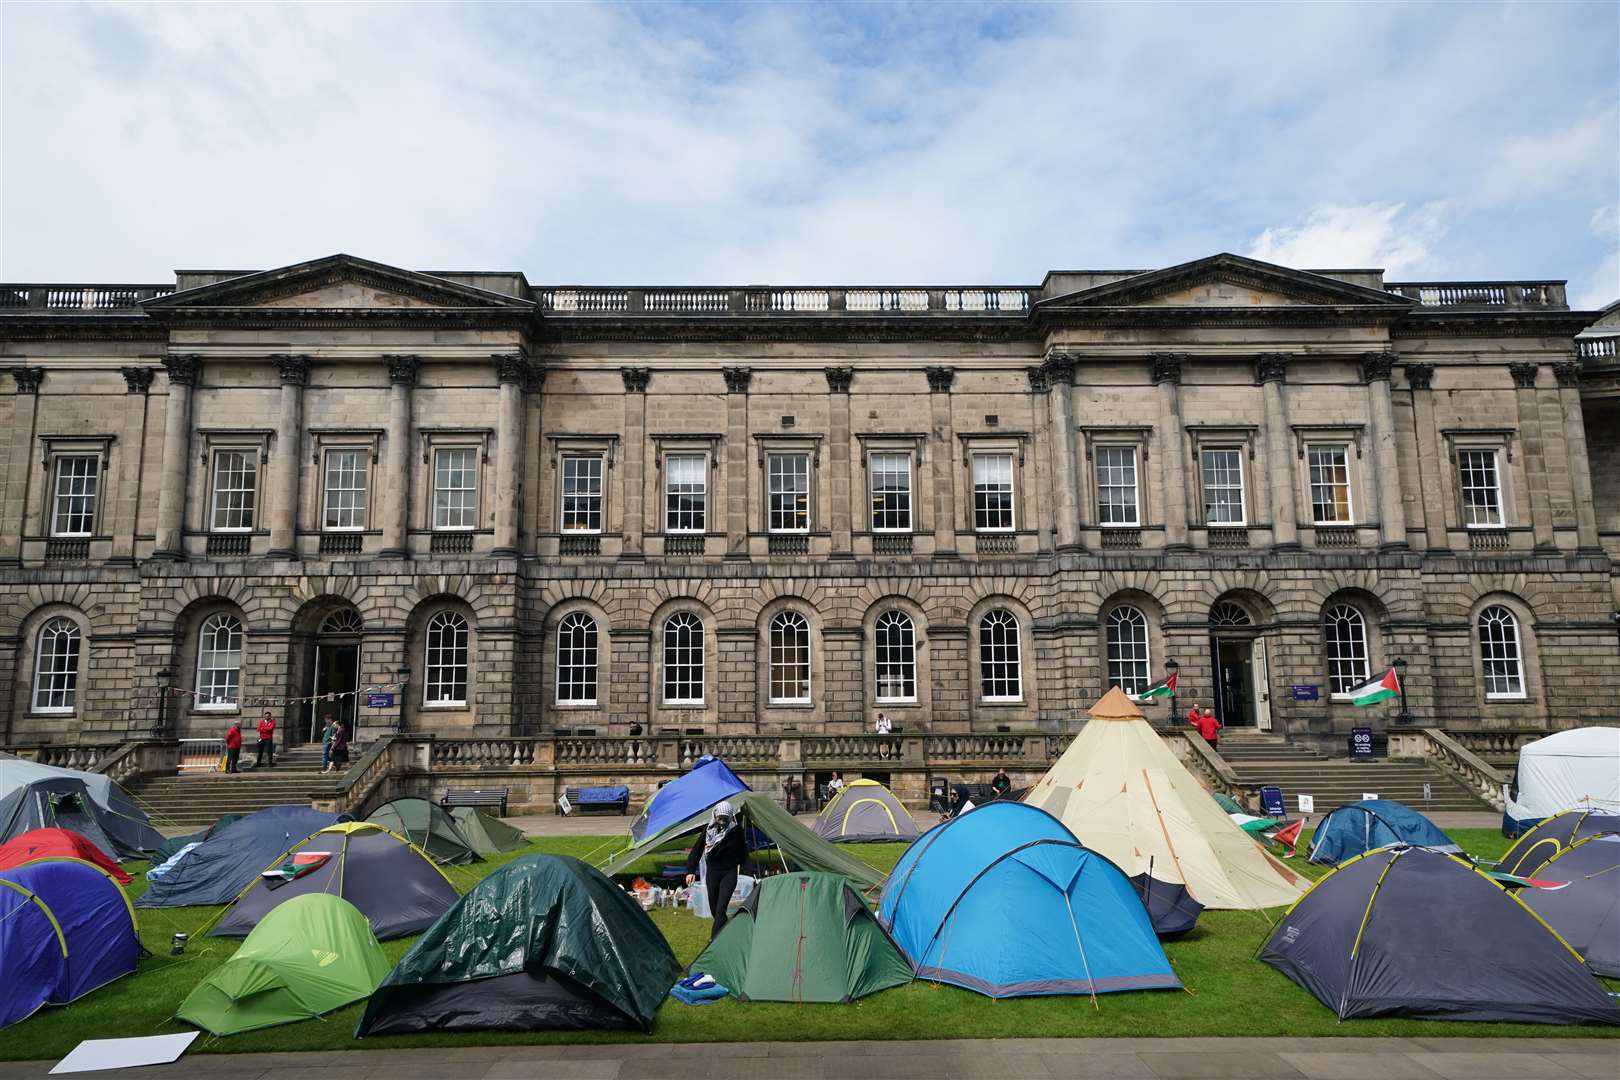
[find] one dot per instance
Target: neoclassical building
(520, 509)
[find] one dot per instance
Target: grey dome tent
(1405, 931)
(59, 803)
(124, 822)
(1586, 910)
(488, 835)
(219, 868)
(428, 827)
(1544, 842)
(866, 811)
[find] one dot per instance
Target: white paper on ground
(95, 1054)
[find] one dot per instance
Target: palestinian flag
(1165, 687)
(1373, 691)
(303, 862)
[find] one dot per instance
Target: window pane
(790, 658)
(1481, 488)
(56, 666)
(1000, 672)
(1499, 653)
(1330, 485)
(789, 492)
(445, 682)
(891, 492)
(1116, 485)
(685, 493)
(455, 488)
(1128, 663)
(345, 489)
(1223, 486)
(683, 659)
(582, 494)
(896, 659)
(992, 492)
(74, 512)
(236, 481)
(219, 660)
(576, 659)
(1346, 633)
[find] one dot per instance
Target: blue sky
(797, 143)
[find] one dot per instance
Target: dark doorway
(1234, 680)
(337, 672)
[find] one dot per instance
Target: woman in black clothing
(719, 854)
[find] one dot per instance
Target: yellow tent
(1124, 793)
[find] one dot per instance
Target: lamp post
(403, 677)
(164, 677)
(1399, 664)
(1171, 667)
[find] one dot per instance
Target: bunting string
(256, 702)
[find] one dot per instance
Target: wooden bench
(478, 797)
(620, 806)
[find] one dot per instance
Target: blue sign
(1361, 745)
(1271, 802)
(1304, 693)
(379, 701)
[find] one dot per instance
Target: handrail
(1486, 780)
(1202, 757)
(350, 792)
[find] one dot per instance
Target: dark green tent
(428, 827)
(544, 942)
(487, 835)
(804, 937)
(796, 846)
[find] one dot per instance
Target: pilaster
(635, 454)
(1172, 456)
(185, 372)
(838, 383)
(1376, 369)
(1568, 375)
(943, 456)
(1271, 372)
(1419, 380)
(1058, 379)
(396, 502)
(511, 369)
(1534, 456)
(738, 379)
(294, 372)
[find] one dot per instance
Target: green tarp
(487, 835)
(428, 827)
(801, 848)
(804, 937)
(313, 954)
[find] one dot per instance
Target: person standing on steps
(1207, 725)
(717, 858)
(340, 747)
(328, 731)
(233, 746)
(267, 740)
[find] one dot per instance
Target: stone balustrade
(1495, 294)
(756, 301)
(1449, 753)
(68, 299)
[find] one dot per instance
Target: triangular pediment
(1226, 281)
(337, 283)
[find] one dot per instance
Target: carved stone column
(125, 501)
(1431, 461)
(1172, 456)
(185, 371)
(1533, 448)
(1376, 369)
(635, 453)
(1059, 371)
(1580, 465)
(738, 380)
(20, 475)
(838, 383)
(944, 458)
(512, 371)
(1271, 372)
(396, 502)
(294, 371)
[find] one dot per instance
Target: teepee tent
(866, 811)
(428, 827)
(488, 835)
(1126, 795)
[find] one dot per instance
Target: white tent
(1125, 794)
(1569, 770)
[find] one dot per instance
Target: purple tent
(95, 919)
(32, 953)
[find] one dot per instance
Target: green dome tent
(428, 827)
(804, 937)
(544, 942)
(307, 957)
(487, 835)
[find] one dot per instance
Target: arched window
(343, 621)
(219, 662)
(683, 659)
(1000, 672)
(1227, 613)
(445, 659)
(576, 659)
(790, 659)
(1346, 634)
(1499, 654)
(896, 642)
(1129, 667)
(56, 667)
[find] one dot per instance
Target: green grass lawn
(1228, 993)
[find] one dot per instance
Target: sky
(936, 143)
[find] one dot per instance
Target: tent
(804, 937)
(173, 845)
(313, 954)
(544, 942)
(1358, 827)
(1405, 931)
(58, 844)
(217, 870)
(866, 811)
(1568, 770)
(33, 953)
(58, 803)
(1552, 835)
(795, 845)
(94, 917)
(709, 781)
(428, 827)
(1586, 911)
(393, 883)
(1002, 899)
(125, 822)
(1126, 795)
(487, 834)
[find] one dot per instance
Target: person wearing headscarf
(717, 858)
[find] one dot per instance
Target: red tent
(57, 844)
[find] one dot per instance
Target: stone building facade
(527, 510)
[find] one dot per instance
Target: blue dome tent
(1359, 827)
(218, 869)
(709, 781)
(1004, 900)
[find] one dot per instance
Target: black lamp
(1399, 664)
(403, 677)
(164, 686)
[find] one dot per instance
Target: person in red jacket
(1207, 726)
(267, 739)
(233, 746)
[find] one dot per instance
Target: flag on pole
(1165, 687)
(1373, 691)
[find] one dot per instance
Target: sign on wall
(379, 701)
(1305, 692)
(1361, 744)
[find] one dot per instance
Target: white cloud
(1603, 286)
(1376, 235)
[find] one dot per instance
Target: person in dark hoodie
(717, 858)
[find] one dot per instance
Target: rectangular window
(789, 491)
(345, 490)
(236, 483)
(992, 492)
(1223, 485)
(1481, 486)
(73, 512)
(1116, 486)
(455, 488)
(582, 493)
(1330, 484)
(891, 492)
(685, 493)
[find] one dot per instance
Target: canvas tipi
(1125, 794)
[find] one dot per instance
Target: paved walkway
(1008, 1059)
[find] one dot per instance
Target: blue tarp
(1004, 900)
(218, 869)
(1359, 827)
(709, 781)
(32, 953)
(603, 794)
(95, 920)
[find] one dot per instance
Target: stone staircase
(191, 801)
(1298, 770)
